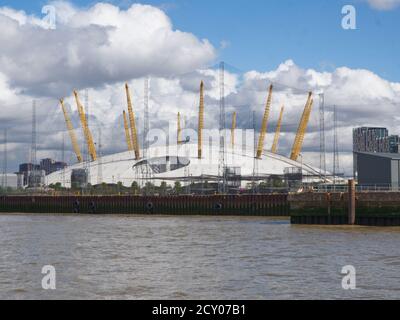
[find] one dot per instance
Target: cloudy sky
(298, 46)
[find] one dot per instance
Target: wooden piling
(352, 202)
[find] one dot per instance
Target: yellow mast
(278, 132)
(127, 134)
(71, 132)
(201, 121)
(233, 130)
(86, 130)
(298, 142)
(263, 132)
(132, 121)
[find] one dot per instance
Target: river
(155, 257)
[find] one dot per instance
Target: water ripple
(142, 257)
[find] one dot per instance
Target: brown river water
(152, 257)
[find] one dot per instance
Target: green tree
(120, 186)
(178, 187)
(135, 188)
(75, 186)
(163, 188)
(58, 186)
(278, 183)
(149, 188)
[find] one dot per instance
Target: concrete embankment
(366, 208)
(371, 208)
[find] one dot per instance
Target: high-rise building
(46, 165)
(394, 142)
(25, 169)
(367, 139)
(58, 166)
(50, 165)
(34, 174)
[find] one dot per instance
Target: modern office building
(50, 165)
(378, 169)
(36, 178)
(368, 139)
(394, 142)
(373, 146)
(35, 174)
(25, 170)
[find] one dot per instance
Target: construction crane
(301, 131)
(71, 132)
(86, 130)
(233, 130)
(264, 126)
(201, 121)
(134, 136)
(127, 134)
(278, 132)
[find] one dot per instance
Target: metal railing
(359, 188)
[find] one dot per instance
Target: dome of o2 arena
(181, 163)
(189, 162)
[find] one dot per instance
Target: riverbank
(241, 205)
(368, 209)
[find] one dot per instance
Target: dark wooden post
(352, 202)
(328, 201)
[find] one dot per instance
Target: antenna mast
(100, 161)
(87, 115)
(322, 158)
(335, 146)
(222, 165)
(146, 127)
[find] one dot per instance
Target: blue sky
(261, 34)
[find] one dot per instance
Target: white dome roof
(123, 167)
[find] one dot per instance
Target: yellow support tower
(264, 126)
(86, 130)
(71, 132)
(201, 122)
(132, 121)
(278, 132)
(298, 142)
(127, 134)
(233, 130)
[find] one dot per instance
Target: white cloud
(384, 4)
(362, 98)
(102, 44)
(102, 47)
